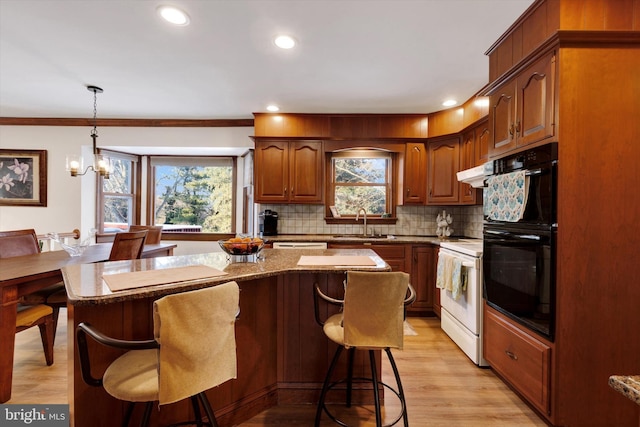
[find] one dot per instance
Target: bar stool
(193, 350)
(371, 319)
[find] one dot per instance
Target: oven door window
(518, 272)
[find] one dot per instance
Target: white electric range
(461, 318)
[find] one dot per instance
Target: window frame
(390, 184)
(136, 187)
(200, 236)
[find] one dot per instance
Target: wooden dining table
(23, 275)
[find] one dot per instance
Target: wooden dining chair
(125, 246)
(25, 242)
(154, 233)
(128, 245)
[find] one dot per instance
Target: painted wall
(71, 201)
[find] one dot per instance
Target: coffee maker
(268, 224)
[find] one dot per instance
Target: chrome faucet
(364, 216)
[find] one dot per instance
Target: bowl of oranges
(242, 245)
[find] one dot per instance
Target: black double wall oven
(519, 256)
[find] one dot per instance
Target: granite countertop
(85, 285)
(628, 385)
(434, 240)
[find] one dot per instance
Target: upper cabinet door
(536, 102)
(271, 171)
(415, 173)
(523, 110)
(306, 174)
(502, 111)
(483, 136)
(467, 160)
(444, 163)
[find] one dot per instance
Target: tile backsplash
(412, 220)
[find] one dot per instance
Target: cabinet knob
(408, 191)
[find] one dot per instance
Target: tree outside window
(194, 194)
(361, 179)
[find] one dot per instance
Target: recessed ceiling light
(173, 15)
(284, 42)
(449, 102)
(273, 108)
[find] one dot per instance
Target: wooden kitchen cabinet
(443, 164)
(288, 171)
(467, 160)
(522, 110)
(519, 357)
(394, 255)
(482, 136)
(415, 173)
(418, 260)
(423, 279)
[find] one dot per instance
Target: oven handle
(513, 235)
(539, 171)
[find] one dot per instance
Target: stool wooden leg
(325, 386)
(376, 394)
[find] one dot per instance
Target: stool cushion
(28, 315)
(333, 329)
(133, 377)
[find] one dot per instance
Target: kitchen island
(282, 352)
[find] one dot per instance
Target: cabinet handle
(511, 355)
(292, 193)
(408, 191)
(511, 129)
(285, 191)
(518, 126)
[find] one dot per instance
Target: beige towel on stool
(196, 332)
(373, 309)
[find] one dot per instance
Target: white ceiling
(353, 56)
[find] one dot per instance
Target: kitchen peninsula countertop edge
(85, 285)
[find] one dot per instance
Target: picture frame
(334, 212)
(23, 177)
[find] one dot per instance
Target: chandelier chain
(95, 113)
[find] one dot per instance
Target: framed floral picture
(23, 177)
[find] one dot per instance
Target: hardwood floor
(443, 387)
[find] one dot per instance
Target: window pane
(117, 213)
(372, 198)
(357, 170)
(194, 195)
(120, 177)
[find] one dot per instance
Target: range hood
(475, 176)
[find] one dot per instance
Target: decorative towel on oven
(451, 276)
(505, 196)
(458, 279)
